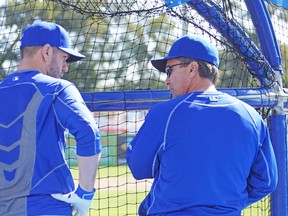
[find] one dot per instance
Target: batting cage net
(119, 84)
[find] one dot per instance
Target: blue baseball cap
(191, 46)
(41, 33)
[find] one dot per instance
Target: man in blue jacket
(37, 110)
(208, 152)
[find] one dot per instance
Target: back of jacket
(209, 154)
(33, 118)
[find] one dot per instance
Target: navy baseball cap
(191, 46)
(41, 33)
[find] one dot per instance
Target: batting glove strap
(85, 194)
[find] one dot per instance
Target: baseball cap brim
(74, 55)
(160, 64)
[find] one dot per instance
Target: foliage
(120, 39)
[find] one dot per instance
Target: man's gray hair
(206, 69)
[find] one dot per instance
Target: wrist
(87, 195)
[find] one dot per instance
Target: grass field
(118, 194)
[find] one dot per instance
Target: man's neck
(31, 64)
(202, 85)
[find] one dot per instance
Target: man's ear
(47, 52)
(194, 67)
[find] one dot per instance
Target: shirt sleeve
(143, 153)
(73, 114)
(263, 176)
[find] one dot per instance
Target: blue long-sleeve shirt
(209, 154)
(35, 112)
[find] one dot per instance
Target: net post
(278, 132)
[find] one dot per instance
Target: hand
(80, 200)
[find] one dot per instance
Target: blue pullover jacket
(35, 112)
(209, 154)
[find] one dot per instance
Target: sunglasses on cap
(168, 69)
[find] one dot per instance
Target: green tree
(115, 47)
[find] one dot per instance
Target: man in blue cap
(38, 109)
(208, 152)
